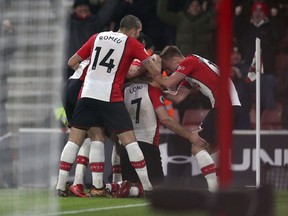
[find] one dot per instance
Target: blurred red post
(224, 123)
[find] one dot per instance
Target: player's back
(112, 54)
(204, 76)
(141, 109)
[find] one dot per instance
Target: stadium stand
(271, 119)
(281, 62)
(34, 78)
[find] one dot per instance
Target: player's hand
(157, 63)
(156, 58)
(196, 140)
(238, 10)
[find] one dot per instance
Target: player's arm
(83, 53)
(74, 61)
(154, 67)
(174, 126)
(135, 69)
(181, 94)
(169, 82)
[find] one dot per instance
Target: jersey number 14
(105, 62)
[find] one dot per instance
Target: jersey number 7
(138, 102)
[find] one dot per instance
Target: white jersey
(141, 101)
(102, 77)
(111, 55)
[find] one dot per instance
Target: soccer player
(72, 89)
(145, 103)
(70, 95)
(101, 101)
(202, 75)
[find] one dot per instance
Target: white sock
(67, 159)
(97, 157)
(215, 157)
(134, 191)
(207, 167)
(138, 162)
(116, 168)
(82, 162)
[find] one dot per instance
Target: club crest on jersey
(161, 99)
(135, 88)
(180, 68)
(115, 39)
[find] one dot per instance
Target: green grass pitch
(41, 202)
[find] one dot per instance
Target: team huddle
(102, 103)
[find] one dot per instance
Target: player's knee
(196, 149)
(127, 137)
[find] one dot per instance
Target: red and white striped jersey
(142, 102)
(203, 75)
(111, 56)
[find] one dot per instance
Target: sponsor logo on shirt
(180, 68)
(161, 99)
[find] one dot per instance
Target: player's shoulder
(193, 57)
(192, 60)
(134, 41)
(156, 95)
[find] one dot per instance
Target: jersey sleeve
(184, 67)
(156, 97)
(85, 51)
(136, 62)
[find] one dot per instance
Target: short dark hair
(144, 39)
(129, 22)
(169, 52)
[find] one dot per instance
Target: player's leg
(68, 157)
(136, 158)
(116, 171)
(204, 159)
(82, 161)
(154, 167)
(118, 118)
(115, 160)
(154, 163)
(80, 123)
(214, 153)
(207, 167)
(96, 160)
(212, 149)
(129, 176)
(70, 97)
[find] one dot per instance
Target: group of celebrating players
(101, 102)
